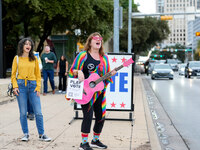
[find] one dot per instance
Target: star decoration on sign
(113, 104)
(123, 60)
(114, 59)
(122, 105)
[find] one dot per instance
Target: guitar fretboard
(107, 75)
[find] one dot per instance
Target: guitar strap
(101, 64)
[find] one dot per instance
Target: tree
(197, 52)
(180, 52)
(42, 18)
(146, 32)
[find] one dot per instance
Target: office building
(193, 27)
(179, 24)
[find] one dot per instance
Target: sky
(146, 6)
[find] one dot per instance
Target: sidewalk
(58, 113)
(4, 98)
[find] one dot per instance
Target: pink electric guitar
(95, 83)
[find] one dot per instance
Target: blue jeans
(29, 108)
(25, 93)
(46, 74)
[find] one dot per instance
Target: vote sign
(119, 94)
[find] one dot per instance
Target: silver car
(162, 71)
(181, 69)
(173, 63)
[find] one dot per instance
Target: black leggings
(62, 85)
(88, 115)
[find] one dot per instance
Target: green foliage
(146, 33)
(40, 18)
(197, 51)
(180, 54)
(125, 5)
(198, 44)
(196, 56)
(101, 20)
(177, 46)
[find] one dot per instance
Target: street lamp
(1, 44)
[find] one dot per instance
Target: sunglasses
(97, 38)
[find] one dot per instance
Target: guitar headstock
(128, 62)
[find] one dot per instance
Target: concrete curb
(154, 140)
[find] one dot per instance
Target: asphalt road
(180, 99)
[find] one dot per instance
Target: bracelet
(75, 72)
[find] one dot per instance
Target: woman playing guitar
(92, 60)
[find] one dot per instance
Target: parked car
(173, 63)
(162, 71)
(192, 69)
(181, 69)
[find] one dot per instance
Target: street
(180, 100)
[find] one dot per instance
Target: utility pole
(116, 27)
(1, 44)
(129, 26)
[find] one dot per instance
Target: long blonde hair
(87, 46)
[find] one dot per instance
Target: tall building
(178, 25)
(193, 27)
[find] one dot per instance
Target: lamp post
(116, 27)
(129, 26)
(1, 44)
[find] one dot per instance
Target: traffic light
(166, 17)
(197, 33)
(161, 55)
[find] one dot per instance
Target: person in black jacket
(62, 68)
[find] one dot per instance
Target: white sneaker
(60, 91)
(44, 138)
(25, 137)
(63, 92)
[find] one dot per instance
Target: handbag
(10, 86)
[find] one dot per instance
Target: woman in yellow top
(27, 86)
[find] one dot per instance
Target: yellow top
(27, 70)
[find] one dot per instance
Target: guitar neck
(107, 75)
